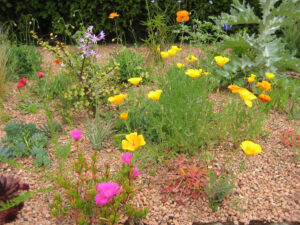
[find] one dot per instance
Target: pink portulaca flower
(76, 134)
(135, 173)
(106, 192)
(127, 158)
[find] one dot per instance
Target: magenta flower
(106, 191)
(127, 157)
(135, 173)
(76, 134)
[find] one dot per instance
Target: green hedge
(95, 12)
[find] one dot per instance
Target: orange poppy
(264, 98)
(113, 15)
(182, 16)
(56, 61)
(265, 85)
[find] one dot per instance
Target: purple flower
(90, 29)
(152, 1)
(76, 134)
(97, 38)
(127, 157)
(226, 27)
(81, 40)
(211, 2)
(106, 191)
(135, 173)
(179, 1)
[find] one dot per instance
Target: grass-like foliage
(4, 52)
(262, 52)
(97, 131)
(23, 140)
(23, 61)
(130, 64)
(184, 119)
(28, 107)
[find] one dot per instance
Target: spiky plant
(264, 51)
(9, 188)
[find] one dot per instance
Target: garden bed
(268, 189)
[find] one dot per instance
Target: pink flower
(135, 173)
(106, 191)
(76, 134)
(40, 74)
(22, 82)
(127, 158)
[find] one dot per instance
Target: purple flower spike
(76, 134)
(135, 173)
(127, 158)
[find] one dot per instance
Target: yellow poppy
(179, 65)
(164, 55)
(247, 96)
(117, 99)
(270, 76)
(113, 15)
(193, 73)
(135, 80)
(155, 95)
(133, 142)
(172, 52)
(191, 58)
(251, 148)
(176, 48)
(221, 61)
(251, 79)
(205, 73)
(234, 88)
(124, 116)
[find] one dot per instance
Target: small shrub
(23, 61)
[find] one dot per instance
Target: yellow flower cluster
(171, 52)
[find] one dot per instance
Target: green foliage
(5, 117)
(263, 52)
(4, 52)
(23, 61)
(23, 140)
(218, 187)
(52, 86)
(129, 63)
(200, 32)
(291, 36)
(28, 107)
(97, 131)
(184, 119)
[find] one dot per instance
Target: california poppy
(182, 16)
(113, 15)
(264, 98)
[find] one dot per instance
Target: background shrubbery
(65, 17)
